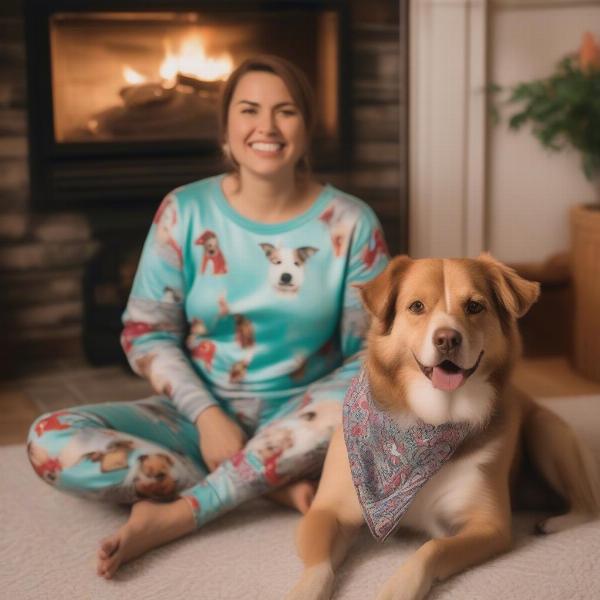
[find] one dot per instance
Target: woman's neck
(269, 200)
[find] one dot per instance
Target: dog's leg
(438, 559)
(322, 545)
(567, 465)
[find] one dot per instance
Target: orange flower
(589, 53)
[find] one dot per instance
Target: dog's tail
(567, 464)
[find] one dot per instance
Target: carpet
(48, 542)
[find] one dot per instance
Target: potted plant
(564, 109)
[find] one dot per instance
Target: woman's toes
(108, 556)
(111, 566)
(108, 546)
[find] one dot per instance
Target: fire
(192, 60)
(132, 77)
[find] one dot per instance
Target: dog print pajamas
(260, 319)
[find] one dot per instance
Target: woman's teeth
(266, 147)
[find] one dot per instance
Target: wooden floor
(69, 385)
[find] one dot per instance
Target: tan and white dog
(441, 348)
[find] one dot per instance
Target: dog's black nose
(285, 278)
(446, 340)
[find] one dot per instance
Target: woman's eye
(248, 111)
(417, 307)
(473, 307)
(288, 113)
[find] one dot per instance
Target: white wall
(531, 189)
(490, 188)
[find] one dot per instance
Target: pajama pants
(127, 451)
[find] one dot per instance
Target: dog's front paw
(316, 583)
(406, 584)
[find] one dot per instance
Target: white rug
(48, 542)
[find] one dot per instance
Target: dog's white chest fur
(449, 493)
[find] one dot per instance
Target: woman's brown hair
(296, 83)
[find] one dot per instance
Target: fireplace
(66, 272)
(123, 94)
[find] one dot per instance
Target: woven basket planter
(585, 257)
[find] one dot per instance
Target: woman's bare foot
(150, 525)
(298, 495)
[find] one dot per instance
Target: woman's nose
(266, 124)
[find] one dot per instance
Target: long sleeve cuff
(191, 400)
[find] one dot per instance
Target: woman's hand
(220, 436)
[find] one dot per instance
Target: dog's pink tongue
(446, 381)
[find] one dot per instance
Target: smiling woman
(245, 318)
(266, 121)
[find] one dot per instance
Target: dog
(286, 271)
(442, 344)
(212, 253)
(244, 331)
(154, 478)
(114, 458)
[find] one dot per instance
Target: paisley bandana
(391, 463)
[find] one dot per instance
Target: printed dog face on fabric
(212, 256)
(299, 432)
(160, 475)
(110, 449)
(286, 271)
(154, 477)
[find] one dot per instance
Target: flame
(192, 60)
(132, 77)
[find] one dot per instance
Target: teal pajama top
(226, 309)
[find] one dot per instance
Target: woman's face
(265, 129)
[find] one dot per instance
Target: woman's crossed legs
(147, 453)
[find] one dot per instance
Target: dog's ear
(268, 249)
(305, 253)
(380, 294)
(514, 294)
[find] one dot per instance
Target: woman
(244, 318)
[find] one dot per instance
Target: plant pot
(585, 258)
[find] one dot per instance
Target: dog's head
(286, 271)
(444, 334)
(210, 242)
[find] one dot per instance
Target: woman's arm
(154, 321)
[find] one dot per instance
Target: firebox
(123, 94)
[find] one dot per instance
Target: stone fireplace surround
(54, 266)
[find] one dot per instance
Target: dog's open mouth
(448, 376)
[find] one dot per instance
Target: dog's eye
(296, 263)
(473, 307)
(417, 307)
